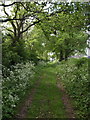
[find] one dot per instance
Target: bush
(80, 62)
(74, 75)
(15, 86)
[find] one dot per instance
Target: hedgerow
(74, 75)
(15, 85)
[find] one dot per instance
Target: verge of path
(28, 102)
(66, 99)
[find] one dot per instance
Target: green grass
(47, 101)
(23, 99)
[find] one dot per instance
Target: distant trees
(67, 29)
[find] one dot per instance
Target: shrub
(15, 86)
(80, 62)
(74, 75)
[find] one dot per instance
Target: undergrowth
(74, 75)
(15, 84)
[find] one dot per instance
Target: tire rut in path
(28, 102)
(66, 99)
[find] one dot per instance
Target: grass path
(45, 100)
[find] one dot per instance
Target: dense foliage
(15, 84)
(33, 30)
(74, 75)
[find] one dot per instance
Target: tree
(20, 21)
(68, 29)
(59, 28)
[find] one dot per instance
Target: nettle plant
(15, 85)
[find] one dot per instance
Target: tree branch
(16, 11)
(10, 36)
(12, 23)
(9, 30)
(30, 26)
(9, 19)
(8, 5)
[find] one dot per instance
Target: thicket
(74, 75)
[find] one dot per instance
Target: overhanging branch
(30, 26)
(6, 20)
(8, 5)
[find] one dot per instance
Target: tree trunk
(61, 55)
(66, 54)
